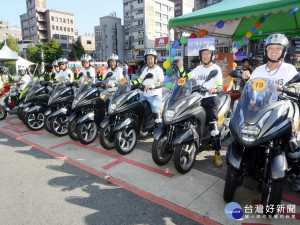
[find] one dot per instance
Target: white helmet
(55, 63)
(62, 60)
(22, 68)
(150, 52)
(277, 39)
(86, 57)
(209, 47)
(113, 57)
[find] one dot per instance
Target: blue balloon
(167, 79)
(260, 32)
(238, 46)
(176, 44)
(252, 30)
(220, 24)
(266, 16)
(173, 52)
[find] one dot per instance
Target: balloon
(202, 33)
(167, 79)
(211, 28)
(248, 34)
(231, 51)
(237, 46)
(169, 72)
(266, 16)
(176, 44)
(262, 19)
(260, 32)
(245, 39)
(183, 40)
(166, 64)
(173, 52)
(220, 24)
(193, 35)
(169, 85)
(234, 49)
(234, 57)
(257, 25)
(294, 10)
(172, 59)
(241, 42)
(168, 46)
(234, 65)
(252, 30)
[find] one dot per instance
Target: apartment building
(109, 37)
(7, 30)
(145, 20)
(40, 23)
(88, 42)
(182, 7)
(200, 4)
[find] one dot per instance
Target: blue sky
(86, 12)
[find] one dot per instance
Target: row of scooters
(259, 122)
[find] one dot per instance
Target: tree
(52, 51)
(13, 44)
(1, 45)
(77, 51)
(34, 53)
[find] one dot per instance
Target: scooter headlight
(112, 108)
(169, 115)
(250, 132)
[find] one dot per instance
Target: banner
(161, 42)
(194, 45)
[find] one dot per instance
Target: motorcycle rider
(275, 51)
(210, 102)
(55, 70)
(113, 75)
(65, 74)
(87, 70)
(152, 91)
(25, 78)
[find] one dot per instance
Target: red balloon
(234, 57)
(193, 35)
(257, 25)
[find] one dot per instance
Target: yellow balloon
(234, 65)
(248, 34)
(166, 64)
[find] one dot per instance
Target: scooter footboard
(234, 155)
(159, 132)
(59, 112)
(87, 118)
(278, 167)
(128, 123)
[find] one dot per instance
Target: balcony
(42, 27)
(41, 19)
(138, 27)
(138, 6)
(138, 16)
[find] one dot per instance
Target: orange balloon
(234, 65)
(257, 25)
(202, 33)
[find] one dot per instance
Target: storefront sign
(161, 42)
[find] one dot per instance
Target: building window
(141, 42)
(64, 45)
(157, 5)
(60, 20)
(64, 20)
(60, 28)
(52, 18)
(57, 28)
(140, 1)
(56, 36)
(65, 29)
(68, 29)
(89, 42)
(140, 22)
(68, 21)
(56, 19)
(157, 24)
(71, 21)
(53, 27)
(71, 29)
(157, 14)
(63, 37)
(165, 16)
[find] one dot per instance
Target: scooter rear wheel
(106, 137)
(160, 154)
(3, 113)
(125, 140)
(72, 129)
(47, 124)
(184, 157)
(59, 125)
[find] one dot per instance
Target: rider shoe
(218, 160)
(295, 180)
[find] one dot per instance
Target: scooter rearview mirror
(295, 79)
(235, 74)
(108, 75)
(212, 74)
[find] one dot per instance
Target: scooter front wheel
(3, 113)
(59, 125)
(106, 137)
(125, 140)
(72, 129)
(160, 154)
(184, 157)
(230, 183)
(271, 195)
(34, 121)
(87, 132)
(47, 124)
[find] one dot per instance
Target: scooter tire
(80, 134)
(107, 144)
(158, 157)
(53, 123)
(120, 137)
(180, 157)
(3, 113)
(72, 131)
(231, 183)
(271, 195)
(47, 124)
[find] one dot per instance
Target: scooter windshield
(181, 89)
(258, 94)
(123, 87)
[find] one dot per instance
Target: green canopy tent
(240, 17)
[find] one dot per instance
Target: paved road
(51, 180)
